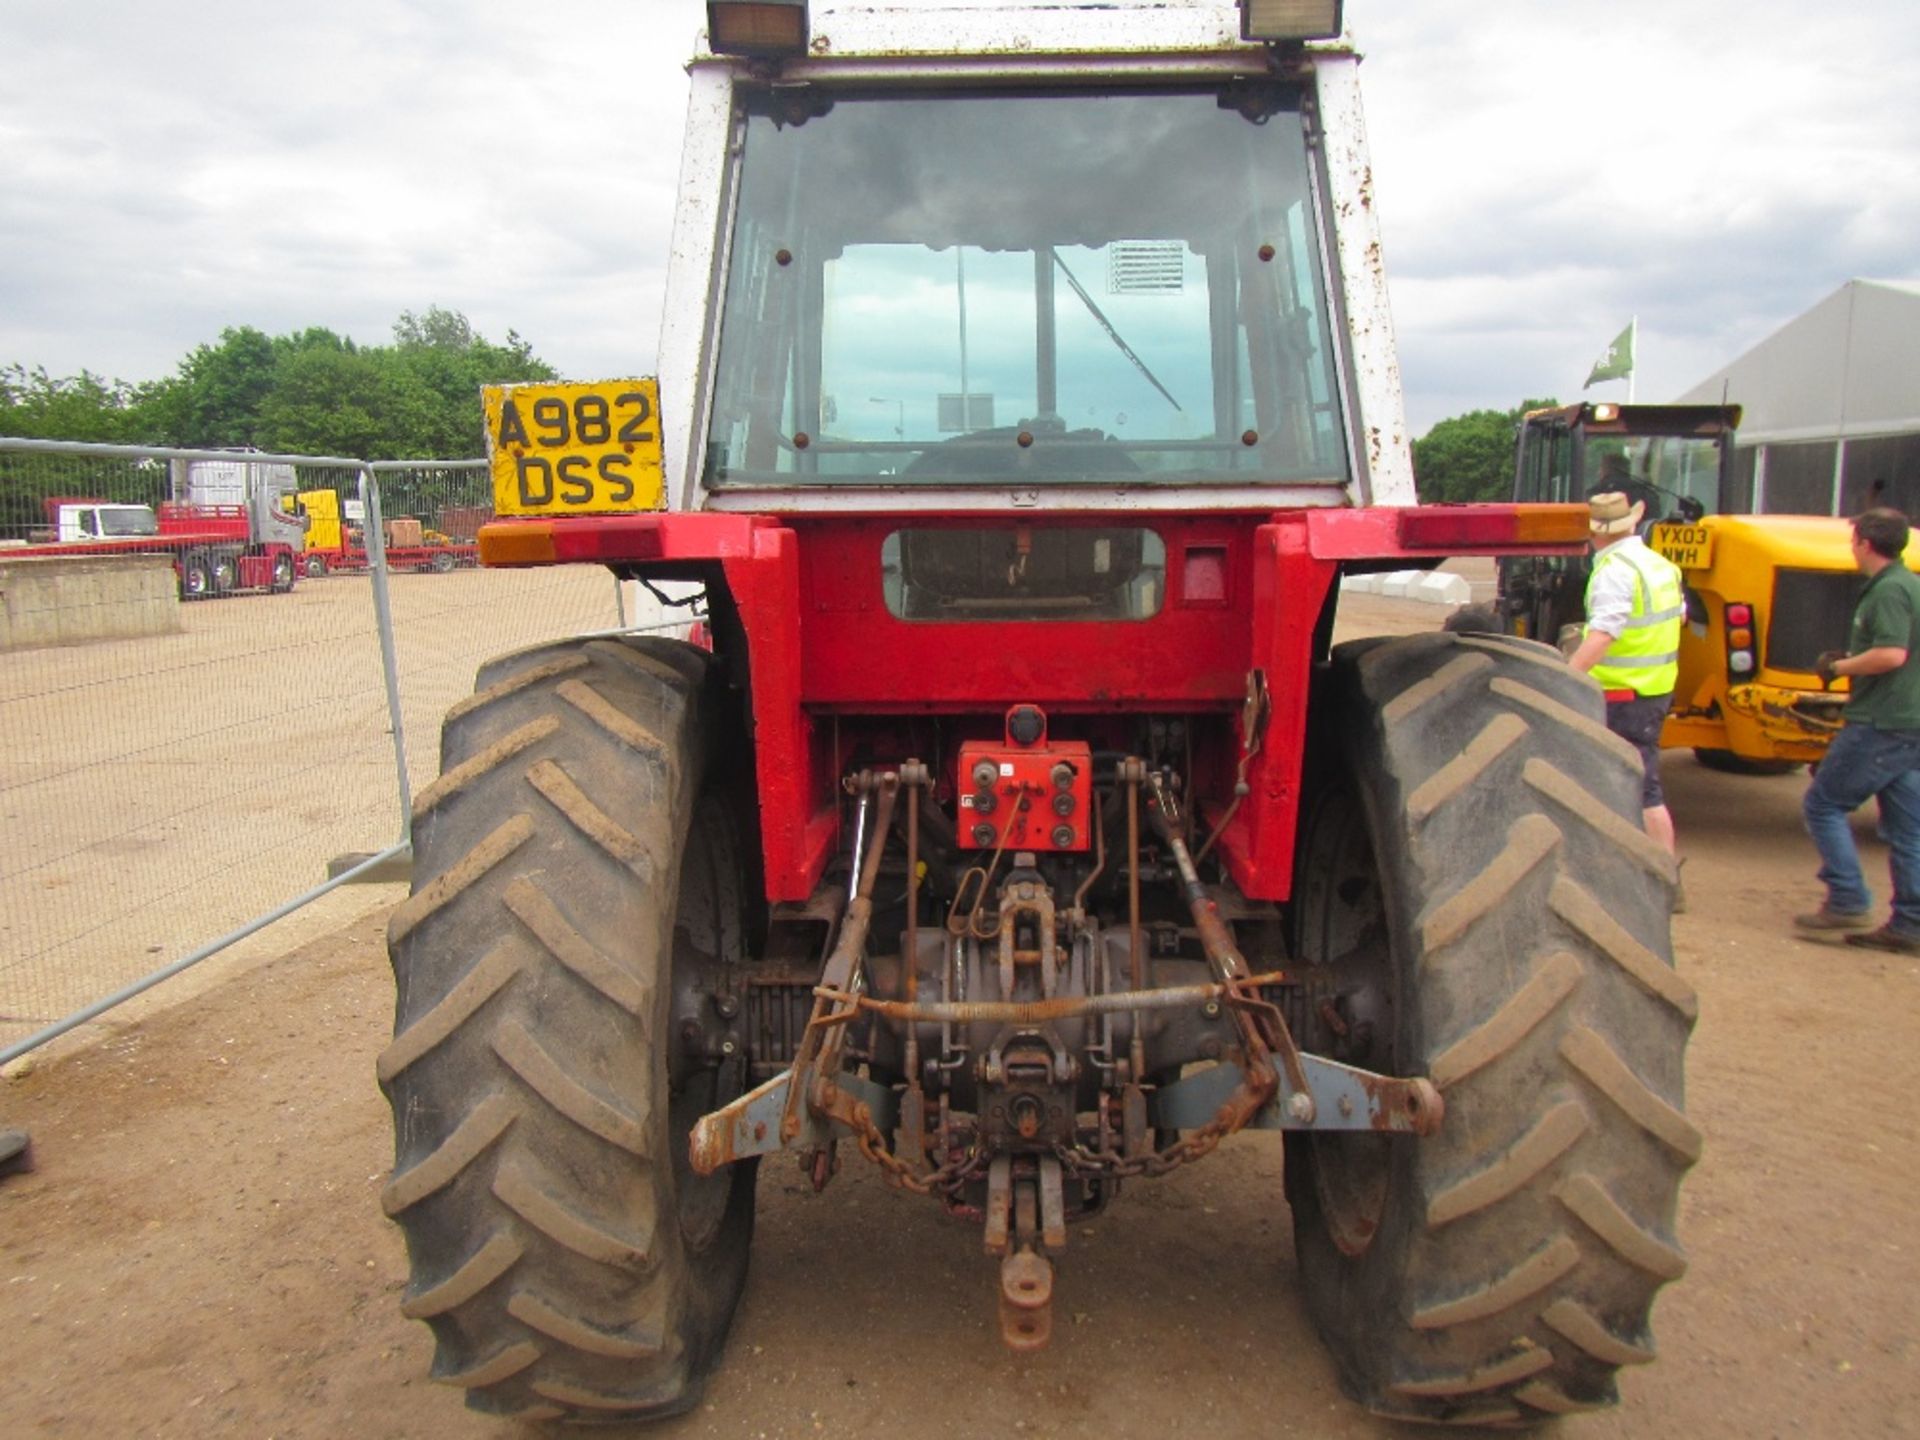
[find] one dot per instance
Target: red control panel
(1030, 792)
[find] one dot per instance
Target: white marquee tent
(1832, 405)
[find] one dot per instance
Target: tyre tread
(1547, 1265)
(502, 1364)
(1632, 1241)
(1584, 1329)
(1581, 909)
(1577, 800)
(1555, 1133)
(1586, 727)
(537, 1201)
(1454, 674)
(467, 772)
(617, 723)
(1557, 977)
(1586, 1051)
(530, 905)
(450, 1013)
(546, 1077)
(570, 1330)
(526, 679)
(1522, 1364)
(1531, 840)
(1546, 1396)
(1501, 734)
(448, 886)
(486, 1265)
(471, 1139)
(563, 792)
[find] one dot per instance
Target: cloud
(194, 166)
(1544, 172)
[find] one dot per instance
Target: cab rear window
(1019, 572)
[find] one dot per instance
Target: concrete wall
(62, 600)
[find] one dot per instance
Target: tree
(310, 391)
(224, 387)
(327, 401)
(435, 329)
(1469, 457)
(37, 406)
(438, 354)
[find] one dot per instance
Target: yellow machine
(322, 509)
(1765, 593)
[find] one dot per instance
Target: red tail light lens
(1739, 614)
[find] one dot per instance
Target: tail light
(1740, 656)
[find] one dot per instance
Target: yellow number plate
(574, 449)
(1688, 546)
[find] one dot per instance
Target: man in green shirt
(1877, 752)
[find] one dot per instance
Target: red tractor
(1027, 385)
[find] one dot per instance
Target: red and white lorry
(218, 544)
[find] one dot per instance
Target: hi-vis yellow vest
(1645, 658)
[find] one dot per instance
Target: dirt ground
(201, 1250)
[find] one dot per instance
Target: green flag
(1617, 363)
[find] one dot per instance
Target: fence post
(376, 540)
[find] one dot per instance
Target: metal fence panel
(159, 791)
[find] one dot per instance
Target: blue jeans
(1864, 763)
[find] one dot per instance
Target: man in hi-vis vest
(1632, 645)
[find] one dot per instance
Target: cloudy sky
(1544, 171)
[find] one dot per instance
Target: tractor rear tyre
(316, 567)
(578, 907)
(223, 568)
(1476, 888)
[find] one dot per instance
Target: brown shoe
(1887, 938)
(1825, 921)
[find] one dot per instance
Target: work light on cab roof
(770, 28)
(1279, 20)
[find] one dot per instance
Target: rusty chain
(1083, 1163)
(902, 1174)
(1076, 1160)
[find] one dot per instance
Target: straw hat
(1612, 514)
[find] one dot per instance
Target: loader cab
(1675, 460)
